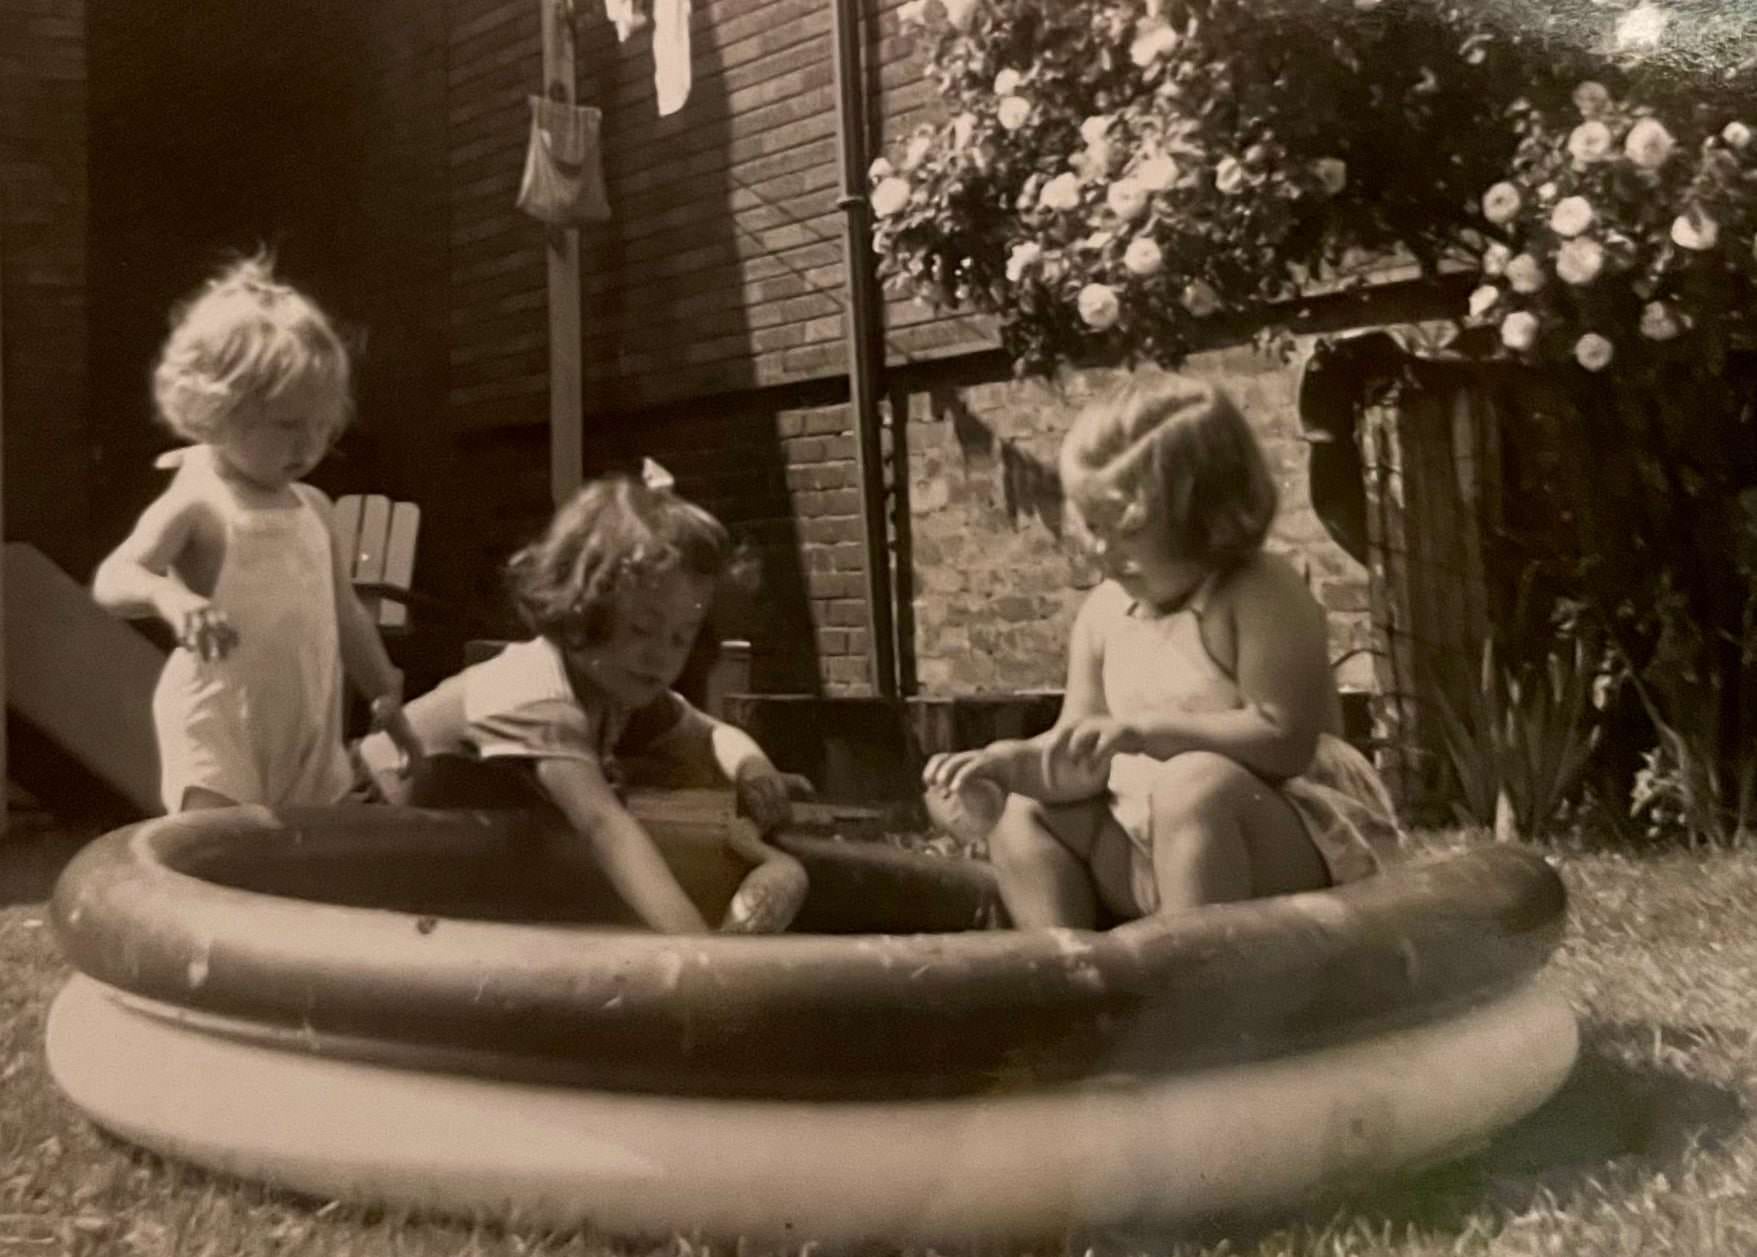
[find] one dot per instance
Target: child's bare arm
(621, 847)
(364, 657)
(140, 577)
(699, 741)
(1026, 765)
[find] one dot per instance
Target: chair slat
(378, 539)
(347, 521)
(399, 561)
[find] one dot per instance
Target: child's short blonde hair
(1178, 445)
(613, 532)
(246, 337)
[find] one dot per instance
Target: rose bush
(1622, 231)
(1194, 160)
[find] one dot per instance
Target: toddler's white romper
(264, 724)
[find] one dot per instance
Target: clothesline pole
(562, 257)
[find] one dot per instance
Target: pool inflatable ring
(413, 1008)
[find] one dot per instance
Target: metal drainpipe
(864, 360)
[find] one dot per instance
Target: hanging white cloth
(671, 67)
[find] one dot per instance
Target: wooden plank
(399, 562)
(562, 257)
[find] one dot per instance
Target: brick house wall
(43, 208)
(380, 148)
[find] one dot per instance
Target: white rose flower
(1093, 163)
(1736, 134)
(1641, 28)
(1127, 199)
(1157, 173)
(1229, 175)
(1013, 112)
(1579, 261)
(1098, 306)
(960, 13)
(913, 13)
(1332, 172)
(891, 195)
(1524, 273)
(880, 169)
(1495, 259)
(1546, 192)
(1591, 99)
(1199, 298)
(1695, 230)
(1659, 321)
(1594, 352)
(1519, 330)
(1095, 129)
(1590, 142)
(1143, 257)
(1023, 255)
(1648, 144)
(1483, 300)
(917, 152)
(1571, 216)
(1006, 82)
(964, 129)
(1152, 43)
(1060, 193)
(1500, 203)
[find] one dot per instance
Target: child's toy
(381, 1005)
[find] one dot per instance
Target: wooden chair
(379, 536)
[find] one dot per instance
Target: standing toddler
(237, 556)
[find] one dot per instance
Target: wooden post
(562, 255)
(5, 772)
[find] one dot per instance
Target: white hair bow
(656, 477)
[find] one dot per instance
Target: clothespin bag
(563, 181)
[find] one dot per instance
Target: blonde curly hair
(1180, 446)
(246, 337)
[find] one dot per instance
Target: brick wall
(996, 585)
(721, 270)
(43, 208)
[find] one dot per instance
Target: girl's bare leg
(1042, 856)
(1221, 834)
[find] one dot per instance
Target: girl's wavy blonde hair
(614, 532)
(1179, 447)
(246, 337)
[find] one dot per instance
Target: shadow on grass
(32, 855)
(1620, 1113)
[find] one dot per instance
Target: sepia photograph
(878, 628)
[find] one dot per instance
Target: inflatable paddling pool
(416, 1008)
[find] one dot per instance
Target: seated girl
(615, 593)
(1197, 757)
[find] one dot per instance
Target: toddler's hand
(765, 794)
(953, 770)
(201, 628)
(388, 718)
(1090, 742)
